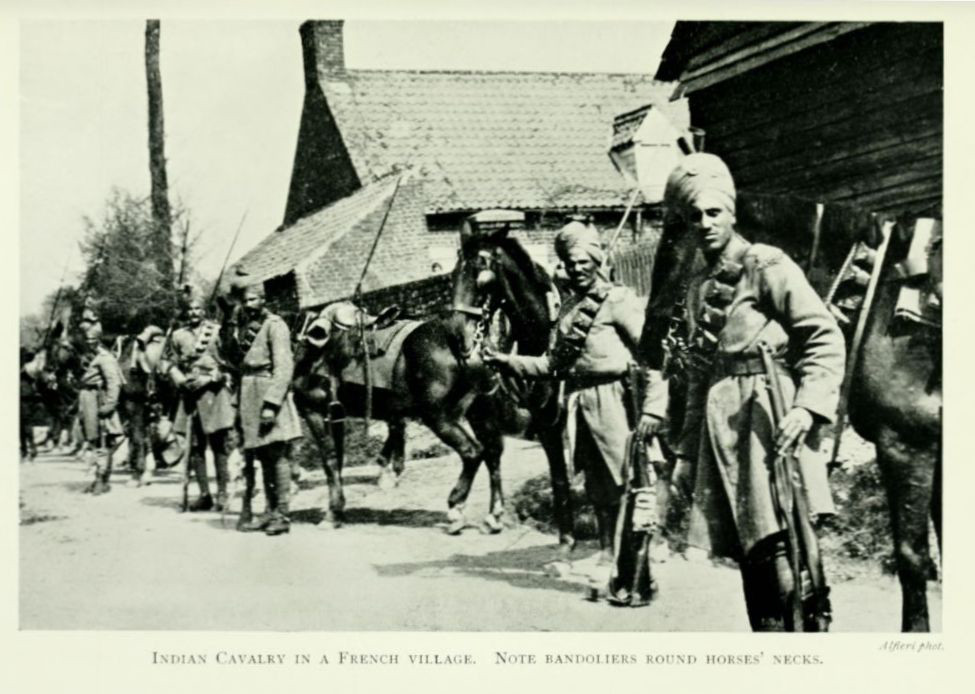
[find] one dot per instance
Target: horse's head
(495, 272)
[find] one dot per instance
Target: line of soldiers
(749, 298)
(234, 384)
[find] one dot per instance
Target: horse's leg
(489, 435)
(393, 454)
(332, 467)
(454, 433)
(551, 440)
(908, 474)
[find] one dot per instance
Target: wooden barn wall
(857, 120)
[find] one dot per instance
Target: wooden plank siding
(857, 119)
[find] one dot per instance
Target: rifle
(187, 454)
(631, 582)
(792, 507)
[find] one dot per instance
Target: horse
(497, 275)
(430, 380)
(895, 382)
(896, 403)
(53, 373)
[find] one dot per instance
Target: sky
(232, 96)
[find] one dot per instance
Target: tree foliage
(125, 273)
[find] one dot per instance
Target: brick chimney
(323, 49)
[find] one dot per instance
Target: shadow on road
(520, 568)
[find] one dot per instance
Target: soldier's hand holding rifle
(649, 426)
(793, 430)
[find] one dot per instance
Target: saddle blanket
(385, 345)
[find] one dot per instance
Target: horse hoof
(330, 522)
(387, 481)
(493, 525)
(456, 527)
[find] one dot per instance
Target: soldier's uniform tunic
(754, 294)
(206, 403)
(596, 418)
(101, 383)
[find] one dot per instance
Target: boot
(247, 523)
(202, 503)
(222, 503)
(278, 525)
(280, 522)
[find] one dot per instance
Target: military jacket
(754, 294)
(197, 360)
(596, 398)
(266, 369)
(103, 374)
(609, 346)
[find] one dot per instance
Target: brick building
(467, 140)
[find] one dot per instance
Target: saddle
(377, 349)
(379, 354)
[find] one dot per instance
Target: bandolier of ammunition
(718, 293)
(570, 344)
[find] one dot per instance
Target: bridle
(485, 311)
(494, 300)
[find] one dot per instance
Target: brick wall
(418, 299)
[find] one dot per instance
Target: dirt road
(130, 560)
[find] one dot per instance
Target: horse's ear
(467, 235)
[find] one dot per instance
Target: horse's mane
(525, 263)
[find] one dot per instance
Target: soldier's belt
(255, 371)
(574, 382)
(724, 365)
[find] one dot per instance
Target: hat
(578, 235)
(695, 174)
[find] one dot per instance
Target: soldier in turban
(98, 399)
(269, 421)
(598, 328)
(749, 296)
(206, 411)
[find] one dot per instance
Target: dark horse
(496, 275)
(430, 381)
(895, 383)
(54, 372)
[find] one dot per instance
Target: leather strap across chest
(570, 343)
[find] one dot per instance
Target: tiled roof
(311, 236)
(401, 254)
(492, 139)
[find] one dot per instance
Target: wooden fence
(633, 266)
